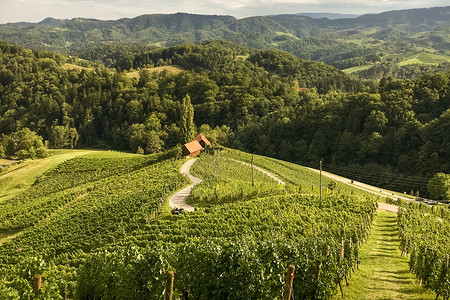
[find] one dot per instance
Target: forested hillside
(389, 38)
(244, 98)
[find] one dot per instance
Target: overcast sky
(37, 10)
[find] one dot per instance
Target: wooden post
(341, 257)
(37, 284)
(318, 268)
(218, 162)
(253, 180)
(289, 280)
(320, 183)
(169, 285)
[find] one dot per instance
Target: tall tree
(439, 186)
(187, 126)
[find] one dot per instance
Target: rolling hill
(343, 42)
(96, 226)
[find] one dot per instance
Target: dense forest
(254, 100)
(382, 42)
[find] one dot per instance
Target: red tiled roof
(201, 137)
(193, 146)
(303, 89)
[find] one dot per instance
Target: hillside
(96, 225)
(343, 42)
(242, 97)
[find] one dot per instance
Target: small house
(202, 140)
(191, 149)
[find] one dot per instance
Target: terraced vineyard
(93, 228)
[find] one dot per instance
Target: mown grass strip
(383, 273)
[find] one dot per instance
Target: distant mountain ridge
(343, 42)
(331, 16)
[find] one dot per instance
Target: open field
(279, 33)
(76, 67)
(356, 69)
(170, 69)
(425, 58)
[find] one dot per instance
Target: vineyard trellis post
(253, 179)
(169, 285)
(320, 183)
(37, 284)
(218, 162)
(289, 280)
(341, 258)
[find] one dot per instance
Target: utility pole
(253, 179)
(320, 183)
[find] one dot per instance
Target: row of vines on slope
(240, 250)
(103, 212)
(424, 234)
(227, 180)
(66, 183)
(105, 243)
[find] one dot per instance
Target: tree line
(245, 98)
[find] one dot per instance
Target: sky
(37, 10)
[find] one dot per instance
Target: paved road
(8, 162)
(179, 199)
(368, 188)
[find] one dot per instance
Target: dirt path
(179, 199)
(383, 273)
(263, 171)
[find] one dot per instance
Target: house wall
(185, 151)
(195, 153)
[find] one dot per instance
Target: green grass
(18, 177)
(383, 273)
(171, 69)
(356, 69)
(279, 33)
(425, 58)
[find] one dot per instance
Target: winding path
(179, 198)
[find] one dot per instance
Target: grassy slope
(383, 273)
(425, 58)
(17, 178)
(170, 69)
(356, 69)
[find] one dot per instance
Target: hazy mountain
(344, 42)
(331, 16)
